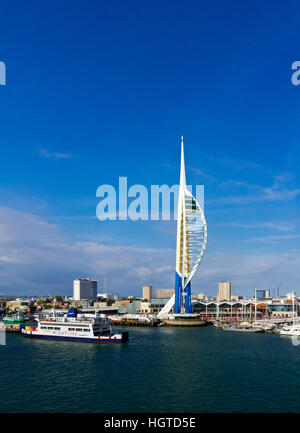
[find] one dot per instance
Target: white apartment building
(224, 291)
(84, 288)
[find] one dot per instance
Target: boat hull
(291, 333)
(250, 331)
(121, 337)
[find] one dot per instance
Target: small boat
(161, 324)
(217, 324)
(248, 329)
(290, 330)
(264, 325)
(14, 318)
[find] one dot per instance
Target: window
(50, 327)
(71, 329)
(58, 329)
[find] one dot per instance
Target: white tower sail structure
(190, 247)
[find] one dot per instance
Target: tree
(110, 302)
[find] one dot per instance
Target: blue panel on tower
(178, 292)
(187, 299)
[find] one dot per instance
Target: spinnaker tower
(190, 245)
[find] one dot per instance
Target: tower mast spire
(182, 167)
(183, 222)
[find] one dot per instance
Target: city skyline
(87, 108)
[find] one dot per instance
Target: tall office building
(164, 293)
(224, 291)
(147, 292)
(84, 288)
(261, 293)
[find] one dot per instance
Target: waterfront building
(262, 294)
(164, 293)
(282, 308)
(100, 304)
(18, 305)
(147, 292)
(224, 291)
(132, 307)
(153, 306)
(226, 310)
(145, 307)
(13, 304)
(201, 296)
(157, 304)
(121, 302)
(235, 298)
(84, 288)
(111, 296)
(86, 303)
(244, 309)
(290, 295)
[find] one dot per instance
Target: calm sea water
(159, 370)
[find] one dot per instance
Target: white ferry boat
(74, 326)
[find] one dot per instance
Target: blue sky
(97, 90)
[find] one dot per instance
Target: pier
(134, 321)
(13, 327)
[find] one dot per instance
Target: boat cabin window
(71, 329)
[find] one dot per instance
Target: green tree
(110, 302)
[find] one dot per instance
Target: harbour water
(160, 370)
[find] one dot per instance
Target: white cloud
(201, 173)
(272, 239)
(35, 258)
(249, 271)
(44, 153)
(258, 193)
(281, 226)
